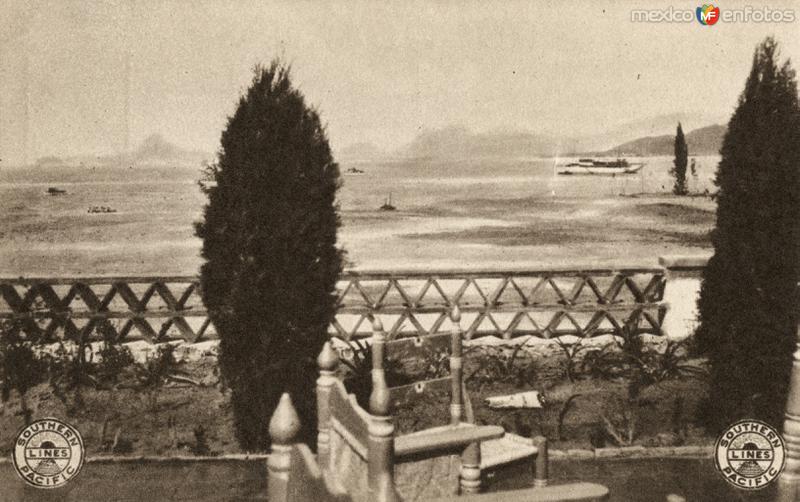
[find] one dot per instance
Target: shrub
(498, 366)
(620, 420)
(115, 359)
(358, 378)
(571, 352)
(156, 369)
(269, 244)
(20, 367)
(748, 298)
(68, 371)
(629, 357)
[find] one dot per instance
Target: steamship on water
(599, 166)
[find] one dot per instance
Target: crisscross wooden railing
(80, 307)
(508, 303)
(504, 302)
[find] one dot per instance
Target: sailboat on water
(387, 204)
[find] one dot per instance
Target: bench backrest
(420, 348)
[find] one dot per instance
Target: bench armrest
(445, 438)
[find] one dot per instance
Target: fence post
(283, 428)
(682, 275)
(789, 480)
(328, 363)
(456, 371)
(380, 455)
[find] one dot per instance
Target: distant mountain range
(154, 150)
(459, 142)
(703, 141)
(660, 125)
(155, 147)
(653, 136)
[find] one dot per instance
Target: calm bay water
(151, 231)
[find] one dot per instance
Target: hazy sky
(96, 73)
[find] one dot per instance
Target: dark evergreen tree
(681, 159)
(269, 244)
(748, 300)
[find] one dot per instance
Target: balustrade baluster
(328, 362)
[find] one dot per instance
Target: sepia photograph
(478, 251)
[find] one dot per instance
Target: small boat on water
(101, 209)
(596, 166)
(387, 204)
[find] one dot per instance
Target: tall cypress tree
(681, 159)
(748, 300)
(269, 243)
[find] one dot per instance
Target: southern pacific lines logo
(707, 15)
(750, 454)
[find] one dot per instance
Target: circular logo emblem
(48, 453)
(750, 454)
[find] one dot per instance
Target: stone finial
(377, 325)
(328, 360)
(284, 424)
(455, 314)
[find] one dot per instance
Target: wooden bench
(354, 462)
(359, 457)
